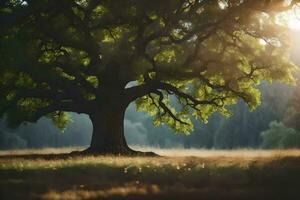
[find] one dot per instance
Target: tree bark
(108, 130)
(108, 133)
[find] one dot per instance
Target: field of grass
(178, 174)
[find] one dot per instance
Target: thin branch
(166, 109)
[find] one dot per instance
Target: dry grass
(180, 174)
(222, 153)
(176, 152)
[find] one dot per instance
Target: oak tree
(177, 59)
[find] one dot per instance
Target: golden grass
(178, 174)
(173, 157)
(222, 153)
(121, 191)
(176, 152)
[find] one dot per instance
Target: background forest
(271, 125)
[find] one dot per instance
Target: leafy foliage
(74, 55)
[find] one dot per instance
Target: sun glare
(292, 18)
(294, 23)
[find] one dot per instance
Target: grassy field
(178, 174)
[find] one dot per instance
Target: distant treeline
(45, 134)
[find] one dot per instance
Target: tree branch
(57, 106)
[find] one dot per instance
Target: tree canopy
(69, 55)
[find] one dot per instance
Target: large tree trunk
(107, 116)
(108, 130)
